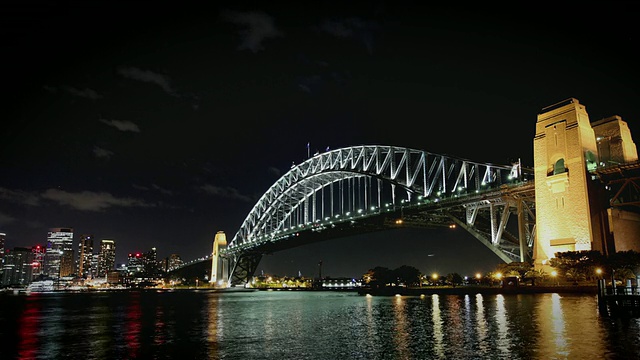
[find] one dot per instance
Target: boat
(40, 286)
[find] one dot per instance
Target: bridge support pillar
(568, 149)
(219, 241)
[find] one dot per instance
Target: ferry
(40, 286)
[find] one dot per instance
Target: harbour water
(310, 325)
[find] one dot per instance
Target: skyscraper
(150, 261)
(106, 257)
(59, 253)
(39, 253)
(85, 254)
(2, 238)
(17, 267)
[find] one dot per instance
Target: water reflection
(481, 325)
(28, 326)
(502, 327)
(212, 326)
(312, 325)
(401, 328)
(436, 319)
(133, 325)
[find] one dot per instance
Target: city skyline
(159, 126)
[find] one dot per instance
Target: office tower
(59, 253)
(17, 267)
(107, 256)
(150, 261)
(135, 263)
(2, 239)
(94, 265)
(39, 253)
(85, 255)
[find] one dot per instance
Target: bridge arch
(360, 188)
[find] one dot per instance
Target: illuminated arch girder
(364, 182)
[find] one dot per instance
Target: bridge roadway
(485, 226)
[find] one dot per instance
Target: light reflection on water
(310, 325)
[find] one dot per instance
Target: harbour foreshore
(463, 290)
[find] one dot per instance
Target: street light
(554, 274)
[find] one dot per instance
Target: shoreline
(464, 290)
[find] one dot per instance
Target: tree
(515, 268)
(408, 275)
(454, 279)
(379, 276)
(578, 264)
(627, 262)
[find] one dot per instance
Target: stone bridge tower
(219, 242)
(572, 210)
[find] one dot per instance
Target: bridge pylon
(572, 213)
(219, 241)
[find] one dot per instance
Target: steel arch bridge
(367, 188)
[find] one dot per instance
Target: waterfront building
(59, 253)
(85, 256)
(340, 283)
(107, 257)
(113, 277)
(17, 267)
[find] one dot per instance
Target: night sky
(157, 124)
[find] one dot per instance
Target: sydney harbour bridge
(587, 176)
(362, 189)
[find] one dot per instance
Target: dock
(618, 301)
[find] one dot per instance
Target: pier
(618, 300)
